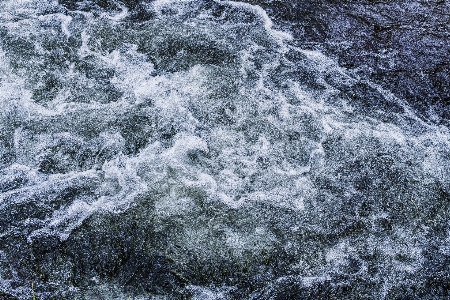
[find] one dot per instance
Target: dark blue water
(217, 150)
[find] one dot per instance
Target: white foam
(120, 16)
(242, 164)
(309, 281)
(122, 170)
(204, 181)
(204, 293)
(55, 181)
(159, 5)
(65, 22)
(183, 145)
(84, 50)
(259, 11)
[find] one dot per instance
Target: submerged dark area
(224, 150)
(402, 45)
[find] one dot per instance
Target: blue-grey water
(181, 149)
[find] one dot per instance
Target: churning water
(192, 150)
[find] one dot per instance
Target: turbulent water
(179, 149)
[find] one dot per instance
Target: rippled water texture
(193, 150)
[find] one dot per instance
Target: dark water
(224, 150)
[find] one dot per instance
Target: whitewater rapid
(200, 153)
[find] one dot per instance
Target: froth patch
(261, 13)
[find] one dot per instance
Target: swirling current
(181, 149)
